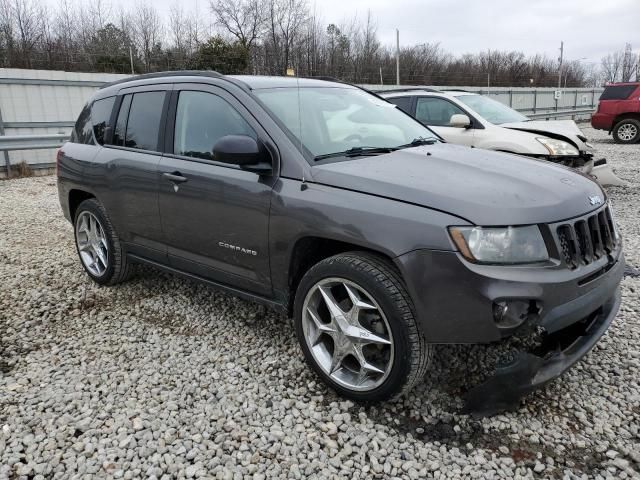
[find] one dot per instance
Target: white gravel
(163, 378)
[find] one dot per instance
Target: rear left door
(126, 171)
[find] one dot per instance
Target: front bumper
(454, 302)
(454, 298)
(531, 369)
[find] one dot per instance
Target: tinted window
(82, 131)
(436, 111)
(143, 124)
(403, 103)
(121, 122)
(100, 115)
(617, 92)
(203, 118)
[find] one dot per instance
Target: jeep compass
(337, 208)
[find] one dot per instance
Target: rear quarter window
(93, 120)
(617, 92)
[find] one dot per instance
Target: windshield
(491, 110)
(328, 120)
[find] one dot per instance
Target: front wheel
(627, 131)
(356, 325)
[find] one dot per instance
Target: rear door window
(617, 92)
(121, 123)
(138, 122)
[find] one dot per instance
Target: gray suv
(340, 210)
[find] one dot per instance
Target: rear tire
(98, 245)
(627, 131)
(382, 349)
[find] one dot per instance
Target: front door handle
(174, 177)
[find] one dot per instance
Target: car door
(128, 169)
(436, 112)
(215, 216)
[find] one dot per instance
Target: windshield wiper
(416, 142)
(356, 152)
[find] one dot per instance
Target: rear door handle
(174, 177)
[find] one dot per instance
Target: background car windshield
(329, 120)
(491, 110)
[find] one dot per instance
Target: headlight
(557, 147)
(506, 245)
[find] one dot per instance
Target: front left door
(436, 112)
(215, 216)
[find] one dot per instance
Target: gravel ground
(164, 378)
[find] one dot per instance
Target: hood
(483, 187)
(563, 129)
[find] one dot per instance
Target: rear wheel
(627, 131)
(98, 245)
(356, 325)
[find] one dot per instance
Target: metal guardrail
(29, 142)
(559, 113)
(32, 142)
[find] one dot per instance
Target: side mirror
(460, 121)
(244, 151)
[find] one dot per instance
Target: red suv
(619, 112)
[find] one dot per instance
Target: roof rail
(173, 73)
(405, 89)
(455, 90)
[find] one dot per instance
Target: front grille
(586, 239)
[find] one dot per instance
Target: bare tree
(148, 32)
(243, 19)
(612, 66)
(629, 63)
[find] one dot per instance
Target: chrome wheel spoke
(363, 336)
(321, 328)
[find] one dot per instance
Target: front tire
(627, 131)
(356, 325)
(98, 245)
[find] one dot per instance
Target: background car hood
(483, 187)
(566, 129)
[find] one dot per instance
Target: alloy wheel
(92, 243)
(347, 334)
(627, 132)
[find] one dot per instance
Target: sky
(590, 29)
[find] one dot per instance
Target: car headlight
(558, 147)
(502, 245)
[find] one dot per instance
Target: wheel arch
(76, 197)
(625, 116)
(309, 250)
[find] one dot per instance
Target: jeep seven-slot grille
(586, 239)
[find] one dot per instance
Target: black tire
(623, 128)
(118, 267)
(412, 353)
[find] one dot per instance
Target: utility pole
(131, 60)
(397, 57)
(560, 66)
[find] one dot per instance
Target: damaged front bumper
(529, 369)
